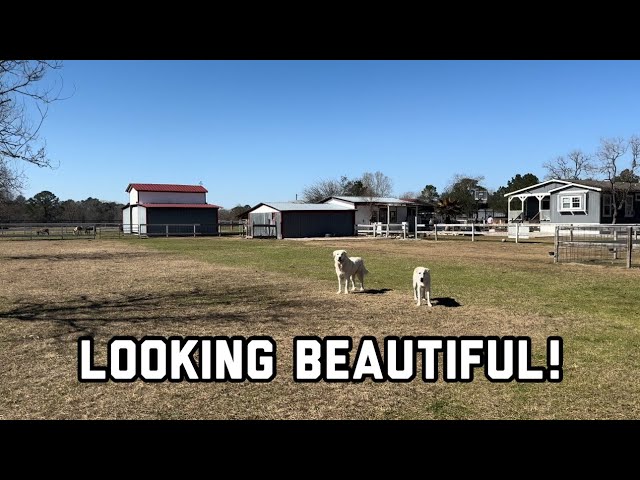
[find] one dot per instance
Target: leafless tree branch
(24, 105)
(576, 166)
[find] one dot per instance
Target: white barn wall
(337, 201)
(142, 219)
(133, 196)
(264, 209)
(126, 220)
(363, 214)
(134, 219)
(168, 197)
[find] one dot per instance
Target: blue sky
(258, 131)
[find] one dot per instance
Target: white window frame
(581, 196)
(628, 206)
(637, 197)
(606, 204)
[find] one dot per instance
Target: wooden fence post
(473, 233)
(629, 245)
(166, 231)
(517, 231)
(435, 230)
(556, 244)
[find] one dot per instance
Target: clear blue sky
(258, 131)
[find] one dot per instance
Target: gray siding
(545, 188)
(593, 209)
(206, 218)
(317, 224)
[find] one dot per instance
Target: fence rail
(471, 230)
(69, 231)
(51, 231)
(383, 229)
(596, 244)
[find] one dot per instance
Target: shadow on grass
(376, 291)
(92, 316)
(446, 302)
(108, 256)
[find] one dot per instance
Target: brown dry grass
(54, 292)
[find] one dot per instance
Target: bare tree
(408, 195)
(609, 154)
(322, 189)
(576, 166)
(377, 184)
(11, 180)
(24, 104)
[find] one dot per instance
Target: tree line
(45, 207)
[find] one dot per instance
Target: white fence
(384, 229)
(515, 231)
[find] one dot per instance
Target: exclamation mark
(554, 359)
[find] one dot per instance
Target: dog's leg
(339, 284)
(428, 292)
(361, 277)
(346, 285)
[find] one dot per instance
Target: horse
(88, 230)
(42, 231)
(77, 230)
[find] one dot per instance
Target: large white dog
(422, 285)
(348, 268)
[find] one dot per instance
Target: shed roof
(166, 187)
(303, 207)
(385, 200)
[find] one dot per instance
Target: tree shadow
(446, 302)
(92, 316)
(74, 256)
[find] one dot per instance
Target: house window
(393, 216)
(606, 206)
(374, 216)
(571, 203)
(637, 197)
(628, 206)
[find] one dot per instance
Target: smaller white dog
(422, 285)
(347, 269)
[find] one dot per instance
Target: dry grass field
(55, 291)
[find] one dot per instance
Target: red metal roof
(178, 205)
(166, 187)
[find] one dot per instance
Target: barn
(158, 208)
(300, 220)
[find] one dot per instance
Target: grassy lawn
(231, 286)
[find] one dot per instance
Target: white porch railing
(383, 229)
(514, 214)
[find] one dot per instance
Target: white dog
(422, 285)
(347, 268)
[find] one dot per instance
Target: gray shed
(300, 220)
